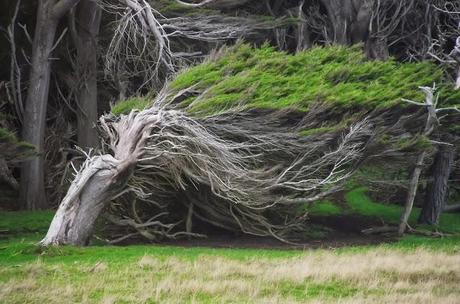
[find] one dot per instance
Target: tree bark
(87, 28)
(302, 31)
(350, 24)
(102, 179)
(436, 194)
(32, 194)
(359, 30)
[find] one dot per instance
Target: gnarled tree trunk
(102, 178)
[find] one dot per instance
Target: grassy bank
(375, 276)
(412, 270)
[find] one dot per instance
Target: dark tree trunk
(359, 30)
(340, 13)
(32, 194)
(87, 28)
(436, 193)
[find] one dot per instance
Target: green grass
(333, 289)
(326, 208)
(338, 76)
(22, 222)
(24, 230)
(361, 204)
(22, 249)
(134, 103)
(168, 274)
(357, 202)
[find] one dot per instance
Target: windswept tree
(217, 163)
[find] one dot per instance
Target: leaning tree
(217, 166)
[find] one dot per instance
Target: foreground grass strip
(380, 275)
(413, 270)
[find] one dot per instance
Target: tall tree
(49, 12)
(85, 29)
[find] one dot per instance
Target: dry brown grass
(376, 276)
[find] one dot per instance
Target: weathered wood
(161, 150)
(102, 178)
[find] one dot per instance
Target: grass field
(412, 270)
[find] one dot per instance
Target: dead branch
(139, 42)
(211, 28)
